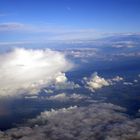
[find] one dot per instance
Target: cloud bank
(27, 70)
(94, 122)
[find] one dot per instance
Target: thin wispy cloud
(12, 26)
(24, 33)
(50, 32)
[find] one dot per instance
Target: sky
(42, 20)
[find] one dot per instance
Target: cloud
(81, 52)
(20, 43)
(128, 83)
(45, 32)
(135, 81)
(62, 82)
(27, 70)
(117, 79)
(48, 114)
(63, 31)
(124, 44)
(63, 97)
(65, 85)
(70, 34)
(12, 26)
(96, 82)
(58, 97)
(94, 122)
(50, 33)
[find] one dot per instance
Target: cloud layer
(23, 70)
(94, 122)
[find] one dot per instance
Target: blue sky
(41, 20)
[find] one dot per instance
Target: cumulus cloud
(27, 70)
(94, 122)
(96, 82)
(62, 82)
(117, 79)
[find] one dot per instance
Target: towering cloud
(27, 70)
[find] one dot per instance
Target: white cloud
(63, 97)
(26, 70)
(61, 78)
(48, 91)
(62, 82)
(124, 44)
(48, 32)
(95, 82)
(117, 79)
(31, 97)
(135, 81)
(81, 52)
(127, 83)
(12, 26)
(59, 97)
